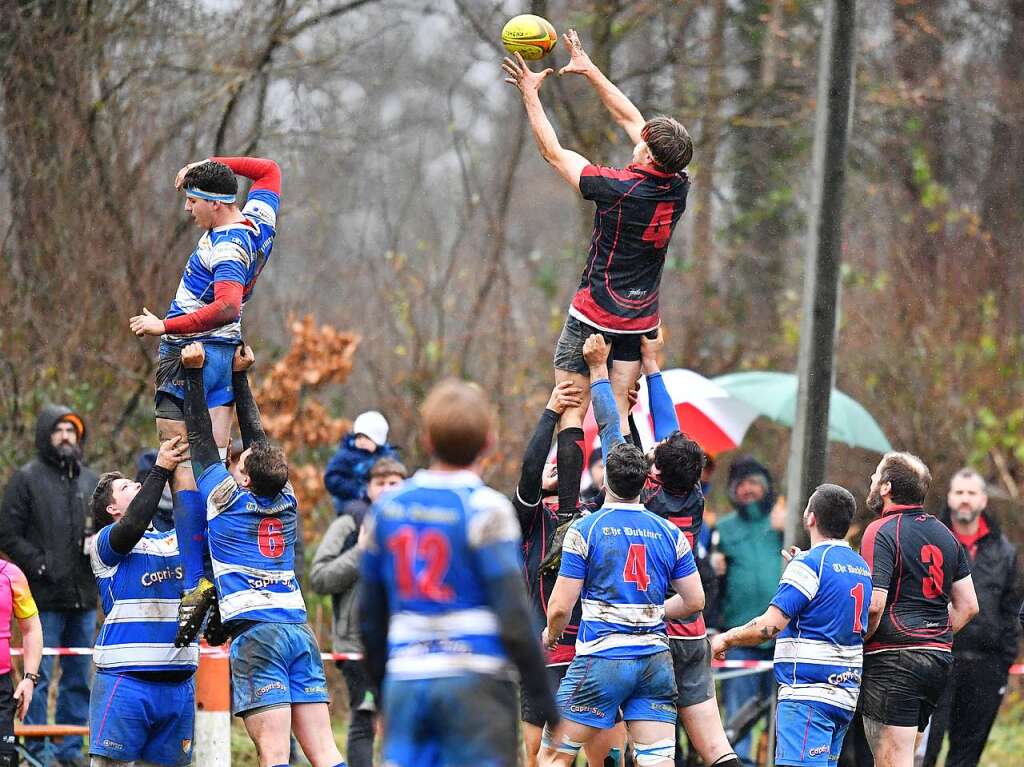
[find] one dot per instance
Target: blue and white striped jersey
(140, 592)
(436, 542)
(627, 558)
(825, 592)
(252, 546)
(234, 253)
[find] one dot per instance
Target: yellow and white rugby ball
(531, 36)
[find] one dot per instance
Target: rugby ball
(530, 36)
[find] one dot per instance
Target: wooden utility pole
(809, 446)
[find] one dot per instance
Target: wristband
(33, 676)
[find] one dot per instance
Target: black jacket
(43, 522)
(994, 569)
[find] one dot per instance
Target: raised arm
(606, 412)
(663, 410)
(246, 410)
(265, 174)
(130, 528)
(569, 164)
(615, 101)
(197, 416)
(529, 489)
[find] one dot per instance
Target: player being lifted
(443, 607)
(277, 677)
(219, 278)
(637, 209)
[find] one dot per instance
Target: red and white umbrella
(706, 412)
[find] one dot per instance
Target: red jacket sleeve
(226, 305)
(265, 173)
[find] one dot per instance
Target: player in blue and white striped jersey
(820, 615)
(139, 574)
(219, 278)
(622, 559)
(277, 677)
(443, 608)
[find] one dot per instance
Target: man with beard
(44, 529)
(984, 650)
(922, 594)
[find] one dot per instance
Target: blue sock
(190, 523)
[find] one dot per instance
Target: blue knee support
(190, 524)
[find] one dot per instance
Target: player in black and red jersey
(536, 505)
(922, 595)
(673, 492)
(637, 209)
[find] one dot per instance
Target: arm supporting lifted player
(197, 417)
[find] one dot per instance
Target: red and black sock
(570, 468)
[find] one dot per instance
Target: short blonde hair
(457, 420)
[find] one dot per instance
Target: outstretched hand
(179, 179)
(193, 355)
(521, 76)
(146, 324)
(243, 359)
(579, 61)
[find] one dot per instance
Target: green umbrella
(773, 395)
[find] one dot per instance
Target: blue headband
(191, 191)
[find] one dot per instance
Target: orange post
(213, 709)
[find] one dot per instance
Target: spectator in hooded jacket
(985, 648)
(335, 571)
(348, 471)
(45, 526)
(747, 558)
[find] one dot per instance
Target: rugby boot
(553, 561)
(192, 611)
(215, 634)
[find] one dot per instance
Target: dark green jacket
(754, 565)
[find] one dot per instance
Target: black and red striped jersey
(638, 207)
(687, 513)
(538, 523)
(916, 559)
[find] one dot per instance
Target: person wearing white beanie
(348, 471)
